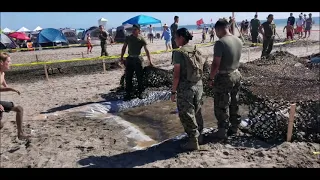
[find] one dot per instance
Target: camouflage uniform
(269, 31)
(103, 43)
(189, 100)
(227, 84)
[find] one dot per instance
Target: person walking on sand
(268, 31)
(203, 34)
(6, 106)
(151, 33)
(174, 27)
(212, 33)
(308, 23)
(225, 80)
(254, 29)
(292, 19)
(103, 36)
(89, 44)
(187, 89)
(167, 36)
(300, 24)
(290, 30)
(134, 62)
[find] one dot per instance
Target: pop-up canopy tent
(142, 20)
(6, 30)
(23, 29)
(51, 37)
(71, 36)
(38, 28)
(19, 36)
(6, 42)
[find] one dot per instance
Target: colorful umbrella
(19, 35)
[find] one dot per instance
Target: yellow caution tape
(94, 58)
(316, 153)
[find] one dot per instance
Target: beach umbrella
(142, 20)
(19, 35)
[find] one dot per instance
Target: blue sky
(30, 20)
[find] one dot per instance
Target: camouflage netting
(269, 87)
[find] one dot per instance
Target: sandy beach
(63, 138)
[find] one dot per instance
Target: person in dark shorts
(308, 23)
(212, 33)
(174, 27)
(254, 29)
(231, 27)
(225, 80)
(6, 106)
(134, 62)
(268, 31)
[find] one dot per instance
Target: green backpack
(194, 63)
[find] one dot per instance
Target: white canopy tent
(103, 22)
(6, 30)
(23, 29)
(38, 28)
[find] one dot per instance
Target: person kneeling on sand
(187, 88)
(134, 62)
(9, 106)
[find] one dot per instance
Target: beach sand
(69, 140)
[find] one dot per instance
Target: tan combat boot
(191, 145)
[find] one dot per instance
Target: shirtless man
(290, 31)
(89, 44)
(6, 106)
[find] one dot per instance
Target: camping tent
(51, 36)
(23, 29)
(6, 30)
(79, 33)
(121, 33)
(7, 42)
(71, 36)
(38, 28)
(142, 20)
(94, 32)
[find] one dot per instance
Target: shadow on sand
(163, 151)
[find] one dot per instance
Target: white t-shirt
(300, 22)
(150, 30)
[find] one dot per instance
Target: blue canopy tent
(142, 20)
(51, 36)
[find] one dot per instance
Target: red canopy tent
(19, 35)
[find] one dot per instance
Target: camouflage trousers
(189, 102)
(267, 47)
(226, 109)
(104, 49)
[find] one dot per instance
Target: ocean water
(278, 22)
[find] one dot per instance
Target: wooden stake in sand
(248, 54)
(104, 66)
(307, 45)
(46, 72)
(82, 54)
(291, 120)
(37, 58)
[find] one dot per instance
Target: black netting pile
(269, 86)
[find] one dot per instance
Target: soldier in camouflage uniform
(174, 27)
(225, 79)
(188, 88)
(268, 31)
(103, 36)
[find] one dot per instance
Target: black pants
(267, 46)
(104, 49)
(134, 64)
(254, 36)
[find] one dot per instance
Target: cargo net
(268, 88)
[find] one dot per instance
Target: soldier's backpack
(194, 63)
